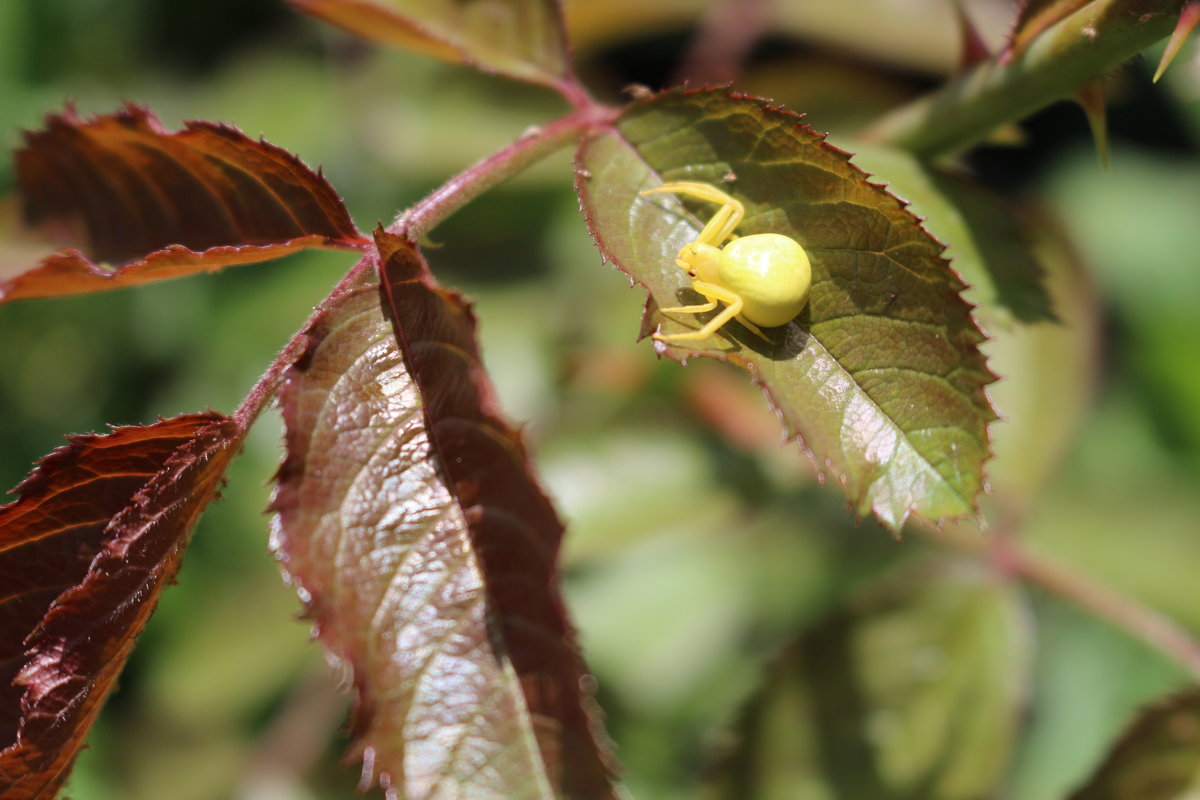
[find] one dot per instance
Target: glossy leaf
(165, 204)
(521, 39)
(1038, 306)
(410, 519)
(913, 694)
(991, 245)
(97, 533)
(880, 375)
(1158, 758)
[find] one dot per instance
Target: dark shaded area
(1137, 116)
(194, 38)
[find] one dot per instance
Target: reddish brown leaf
(97, 533)
(166, 204)
(409, 515)
(513, 527)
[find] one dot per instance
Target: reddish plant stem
(264, 390)
(575, 93)
(536, 143)
(1122, 611)
(1149, 625)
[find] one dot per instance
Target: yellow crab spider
(763, 279)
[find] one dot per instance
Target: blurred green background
(697, 547)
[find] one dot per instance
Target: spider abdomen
(772, 274)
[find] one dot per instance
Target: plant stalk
(1068, 55)
(267, 387)
(1122, 611)
(535, 144)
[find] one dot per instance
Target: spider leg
(723, 223)
(697, 309)
(721, 226)
(733, 306)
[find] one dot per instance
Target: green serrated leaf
(990, 242)
(1158, 758)
(880, 375)
(914, 693)
(523, 39)
(1035, 301)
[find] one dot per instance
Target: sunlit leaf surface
(1158, 758)
(97, 533)
(410, 520)
(522, 39)
(880, 375)
(1038, 306)
(914, 693)
(160, 204)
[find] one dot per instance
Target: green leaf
(1158, 758)
(880, 375)
(522, 39)
(427, 554)
(991, 247)
(914, 693)
(1037, 304)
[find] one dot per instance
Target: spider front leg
(733, 307)
(723, 223)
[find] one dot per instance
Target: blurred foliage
(695, 551)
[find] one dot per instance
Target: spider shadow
(782, 343)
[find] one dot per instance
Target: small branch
(1146, 624)
(574, 93)
(264, 390)
(1080, 48)
(537, 143)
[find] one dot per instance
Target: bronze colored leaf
(97, 533)
(410, 519)
(165, 204)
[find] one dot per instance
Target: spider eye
(691, 273)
